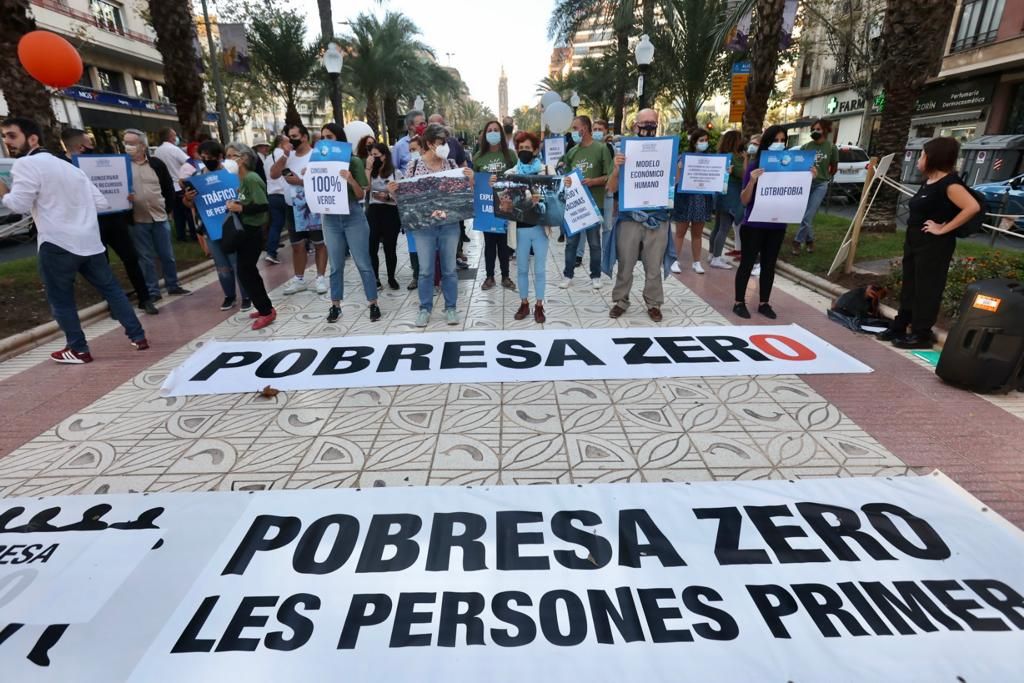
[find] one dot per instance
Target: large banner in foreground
(894, 579)
(505, 356)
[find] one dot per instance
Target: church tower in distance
(502, 94)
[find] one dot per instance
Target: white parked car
(853, 166)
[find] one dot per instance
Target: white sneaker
(675, 267)
(566, 283)
(719, 262)
(295, 285)
(422, 318)
(321, 284)
(596, 283)
(698, 268)
(756, 271)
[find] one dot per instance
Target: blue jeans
(594, 246)
(279, 211)
(536, 239)
(350, 234)
(153, 241)
(806, 232)
(58, 268)
(443, 239)
(227, 269)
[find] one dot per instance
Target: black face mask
(508, 129)
(296, 142)
(647, 131)
(525, 156)
(211, 164)
(815, 134)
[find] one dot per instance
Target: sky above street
(481, 35)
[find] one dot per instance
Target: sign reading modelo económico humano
(505, 356)
(855, 579)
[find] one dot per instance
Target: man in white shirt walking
(174, 157)
(63, 204)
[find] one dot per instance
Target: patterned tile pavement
(131, 439)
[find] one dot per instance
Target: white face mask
(777, 146)
(130, 150)
(702, 146)
(751, 148)
(231, 166)
(442, 150)
(414, 156)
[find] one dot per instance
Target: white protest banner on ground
(647, 177)
(505, 356)
(859, 579)
(111, 174)
(554, 150)
(326, 190)
(705, 173)
(781, 197)
(581, 210)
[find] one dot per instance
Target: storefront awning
(947, 117)
(103, 118)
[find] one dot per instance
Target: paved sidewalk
(104, 427)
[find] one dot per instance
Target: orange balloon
(50, 59)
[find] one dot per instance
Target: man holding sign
(640, 234)
(63, 204)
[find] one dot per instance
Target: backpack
(975, 223)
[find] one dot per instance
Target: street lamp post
(333, 61)
(644, 56)
(574, 102)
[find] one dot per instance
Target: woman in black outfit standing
(942, 204)
(382, 212)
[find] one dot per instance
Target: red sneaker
(70, 357)
(141, 345)
(264, 320)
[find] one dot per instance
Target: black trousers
(926, 260)
(115, 233)
(385, 225)
(184, 222)
(755, 242)
(248, 273)
(496, 244)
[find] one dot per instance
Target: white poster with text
(781, 197)
(326, 189)
(647, 177)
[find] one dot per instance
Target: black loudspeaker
(984, 351)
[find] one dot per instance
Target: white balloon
(357, 130)
(558, 117)
(550, 97)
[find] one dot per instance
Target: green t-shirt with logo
(491, 162)
(592, 161)
(251, 190)
(357, 167)
(825, 155)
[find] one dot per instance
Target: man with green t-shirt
(593, 160)
(826, 161)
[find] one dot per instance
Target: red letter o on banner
(764, 342)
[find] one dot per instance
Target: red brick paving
(920, 419)
(39, 398)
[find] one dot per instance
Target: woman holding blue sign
(692, 210)
(349, 234)
(494, 157)
(762, 240)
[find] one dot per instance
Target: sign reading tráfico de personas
(859, 579)
(112, 176)
(505, 356)
(781, 197)
(215, 190)
(326, 190)
(647, 177)
(483, 206)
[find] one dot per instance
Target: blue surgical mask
(414, 156)
(493, 137)
(751, 148)
(599, 135)
(576, 137)
(702, 146)
(777, 146)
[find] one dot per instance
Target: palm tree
(326, 19)
(25, 95)
(175, 30)
(468, 116)
(913, 39)
(765, 37)
(570, 16)
(281, 59)
(563, 85)
(698, 64)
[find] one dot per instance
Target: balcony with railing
(104, 23)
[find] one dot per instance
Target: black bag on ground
(858, 309)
